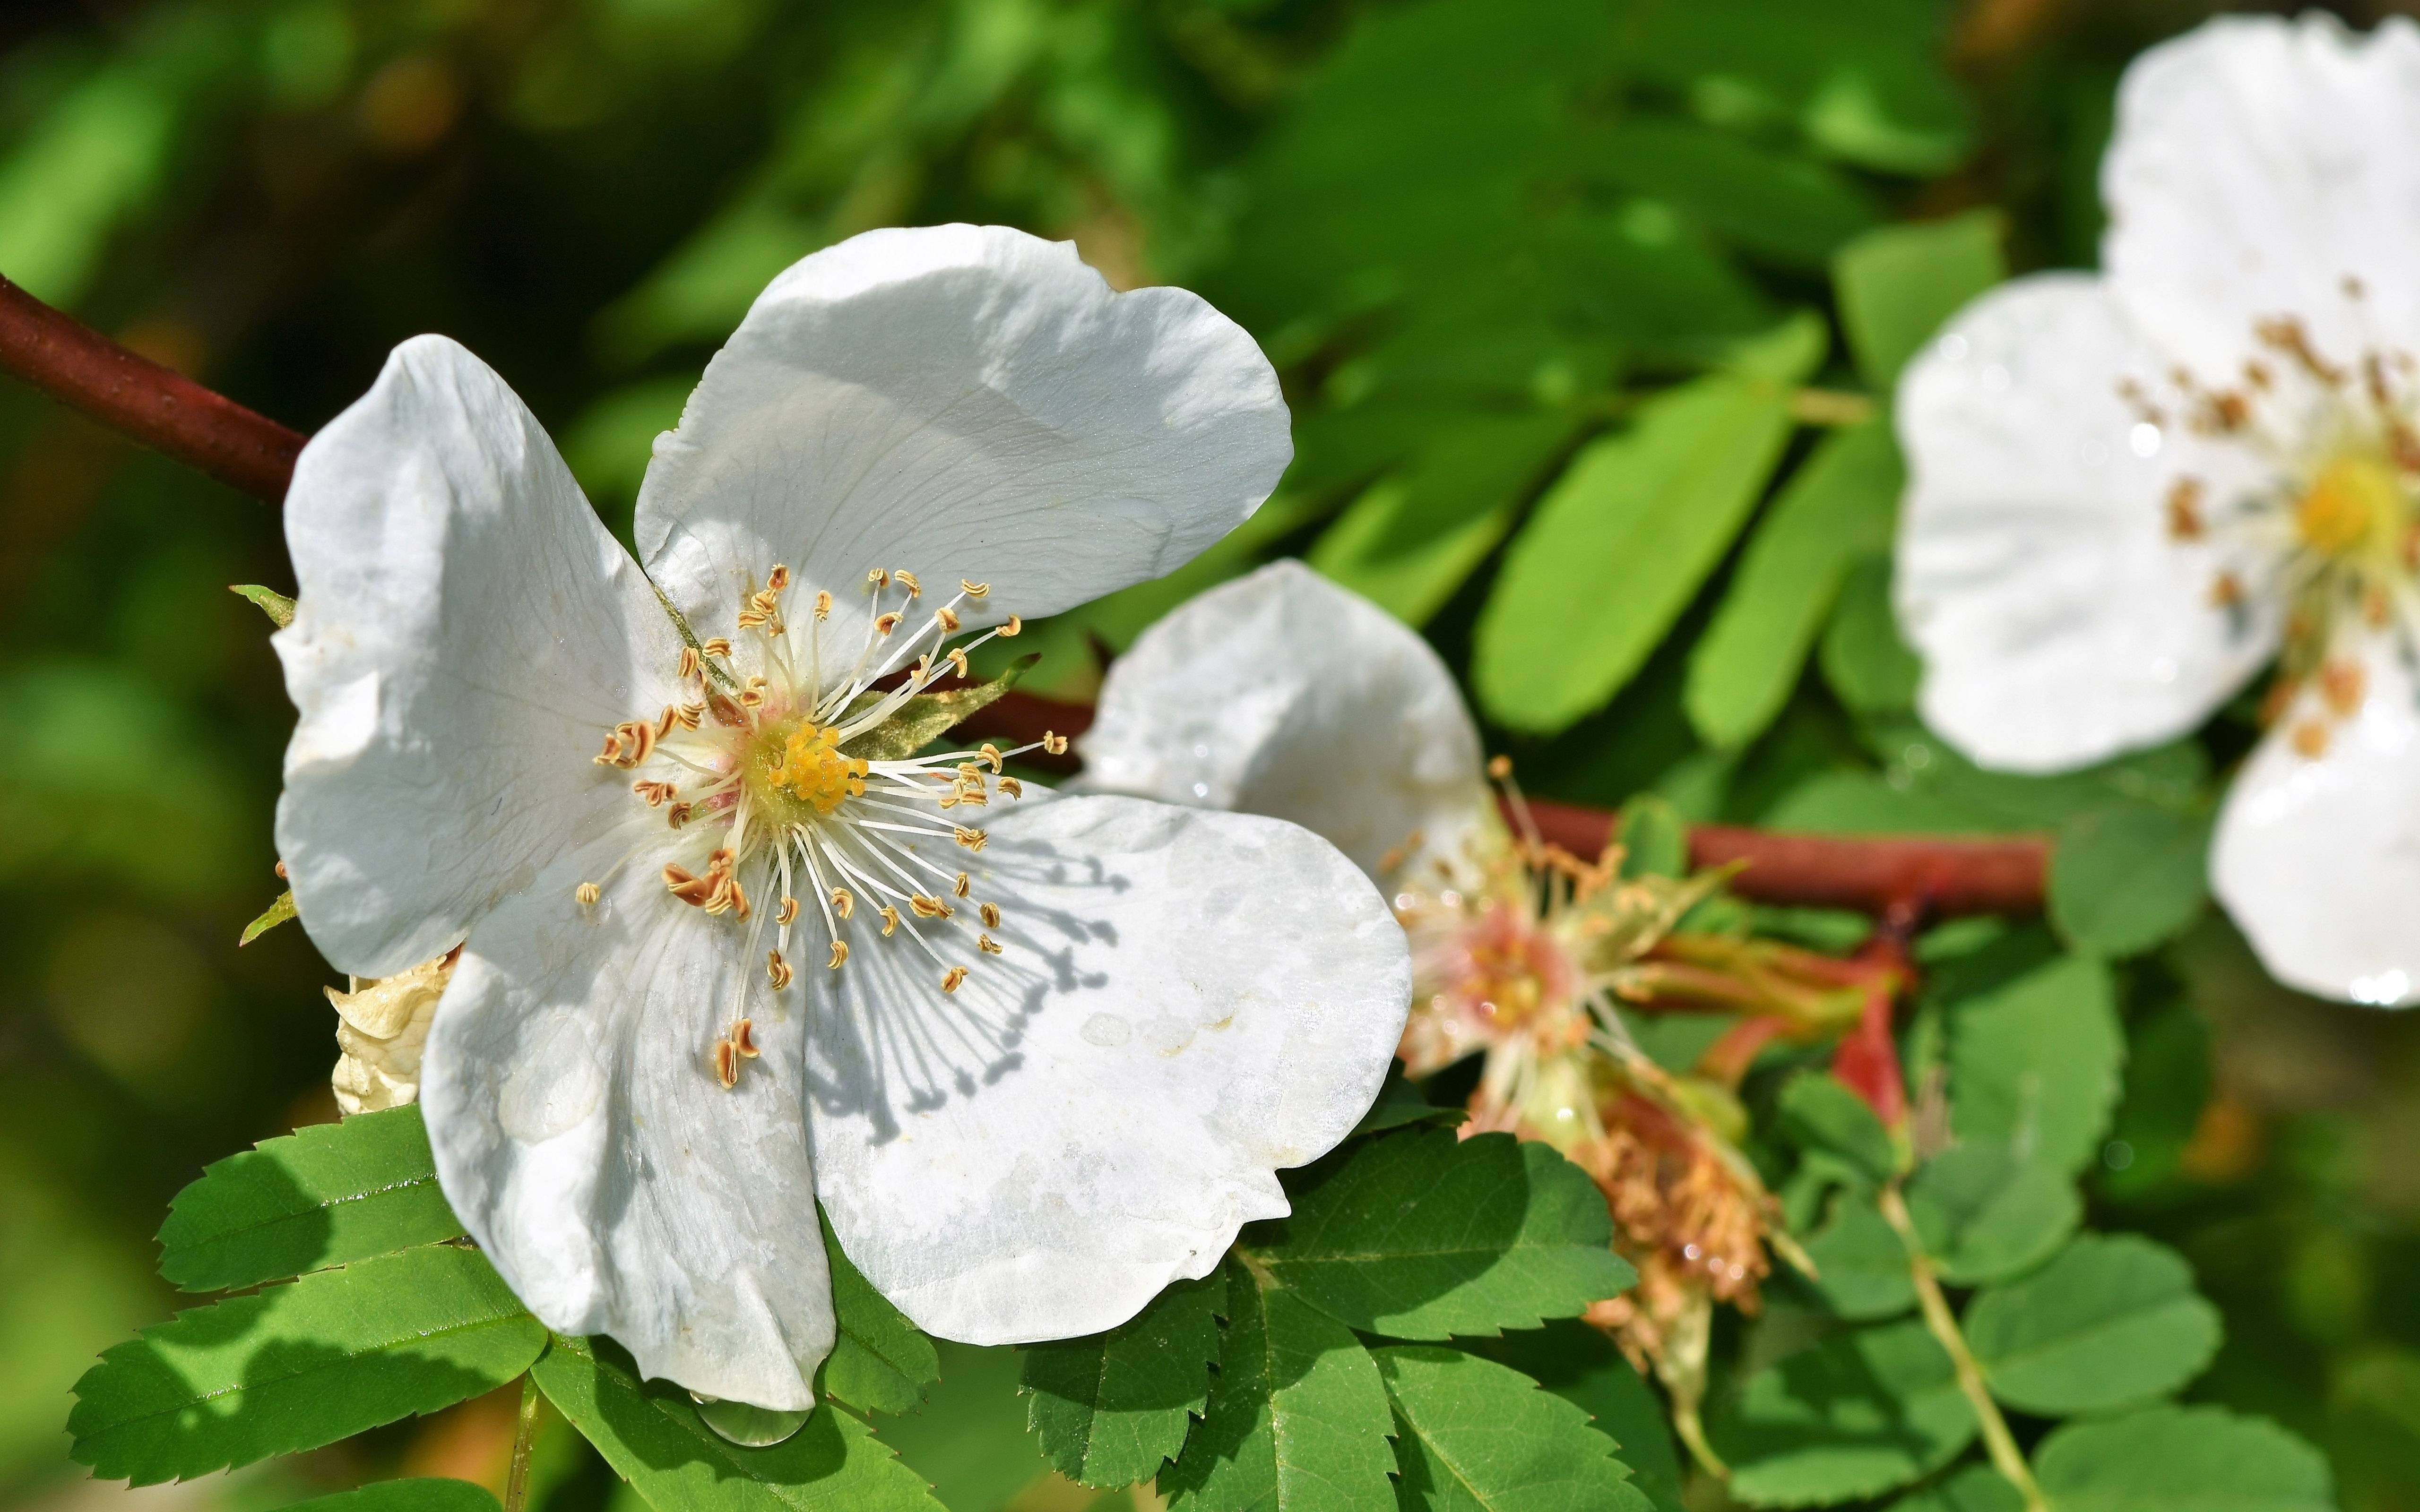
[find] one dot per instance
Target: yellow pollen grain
(951, 979)
(812, 770)
(588, 893)
(2354, 501)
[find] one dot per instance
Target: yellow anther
(2341, 684)
(690, 714)
(959, 659)
(787, 912)
(726, 1064)
(1055, 743)
(743, 1038)
(823, 603)
(778, 578)
(889, 919)
(991, 753)
(678, 814)
(1011, 786)
(843, 903)
(777, 969)
(839, 955)
(657, 793)
(974, 590)
(880, 578)
(962, 886)
(2184, 509)
(690, 663)
(2354, 501)
(887, 624)
(986, 945)
(2311, 739)
(991, 915)
(946, 620)
(718, 647)
(588, 893)
(2225, 591)
(951, 979)
(1499, 767)
(812, 770)
(927, 906)
(1014, 626)
(971, 839)
(908, 579)
(952, 801)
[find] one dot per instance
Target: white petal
(1282, 694)
(2257, 163)
(582, 1137)
(2319, 860)
(465, 634)
(964, 402)
(2058, 620)
(1189, 1001)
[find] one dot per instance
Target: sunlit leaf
(1110, 1407)
(1471, 1434)
(2110, 1322)
(1856, 1415)
(1896, 284)
(2168, 1459)
(881, 1361)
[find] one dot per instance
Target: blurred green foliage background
(1584, 306)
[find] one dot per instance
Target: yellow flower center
(2355, 501)
(809, 767)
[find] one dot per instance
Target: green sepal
(927, 717)
(279, 607)
(270, 917)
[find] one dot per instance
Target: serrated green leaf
(1898, 284)
(2126, 876)
(1856, 1415)
(323, 1195)
(1111, 1408)
(1983, 1213)
(1863, 658)
(650, 1433)
(279, 912)
(1975, 1488)
(1471, 1434)
(881, 1361)
(1298, 1420)
(1861, 1264)
(1581, 1365)
(2182, 1460)
(422, 1494)
(925, 718)
(2037, 1064)
(1819, 1113)
(2110, 1322)
(1835, 509)
(279, 607)
(1423, 1235)
(1617, 546)
(302, 1364)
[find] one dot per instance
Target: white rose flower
(1038, 1056)
(2130, 492)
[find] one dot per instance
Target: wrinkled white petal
(2257, 163)
(381, 1030)
(1282, 694)
(583, 1138)
(2059, 621)
(464, 635)
(2318, 860)
(1187, 1002)
(964, 402)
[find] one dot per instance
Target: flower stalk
(524, 1435)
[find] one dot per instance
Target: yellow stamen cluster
(812, 770)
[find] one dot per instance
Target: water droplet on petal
(751, 1428)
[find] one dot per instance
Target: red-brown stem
(134, 396)
(86, 370)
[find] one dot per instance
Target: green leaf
(1581, 1365)
(269, 919)
(1422, 1235)
(1411, 583)
(881, 1361)
(1109, 1409)
(1820, 1113)
(2109, 1322)
(1862, 657)
(2037, 1064)
(302, 1364)
(1470, 1434)
(925, 718)
(650, 1433)
(1898, 284)
(1761, 200)
(279, 607)
(424, 1494)
(1619, 546)
(1861, 1264)
(1835, 509)
(1298, 1419)
(1399, 1104)
(1975, 1488)
(323, 1195)
(1858, 1414)
(2127, 876)
(2182, 1460)
(1983, 1213)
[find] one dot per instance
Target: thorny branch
(164, 410)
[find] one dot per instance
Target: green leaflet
(2110, 1322)
(1858, 1414)
(426, 1494)
(1983, 1213)
(1975, 1488)
(2036, 1063)
(1422, 1235)
(2182, 1460)
(1820, 1113)
(1582, 1366)
(927, 717)
(2128, 875)
(1298, 1420)
(1111, 1408)
(1411, 583)
(324, 1196)
(302, 1364)
(881, 1361)
(1868, 667)
(279, 609)
(1472, 1434)
(1896, 284)
(651, 1435)
(1861, 1264)
(1618, 548)
(1400, 1103)
(1835, 509)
